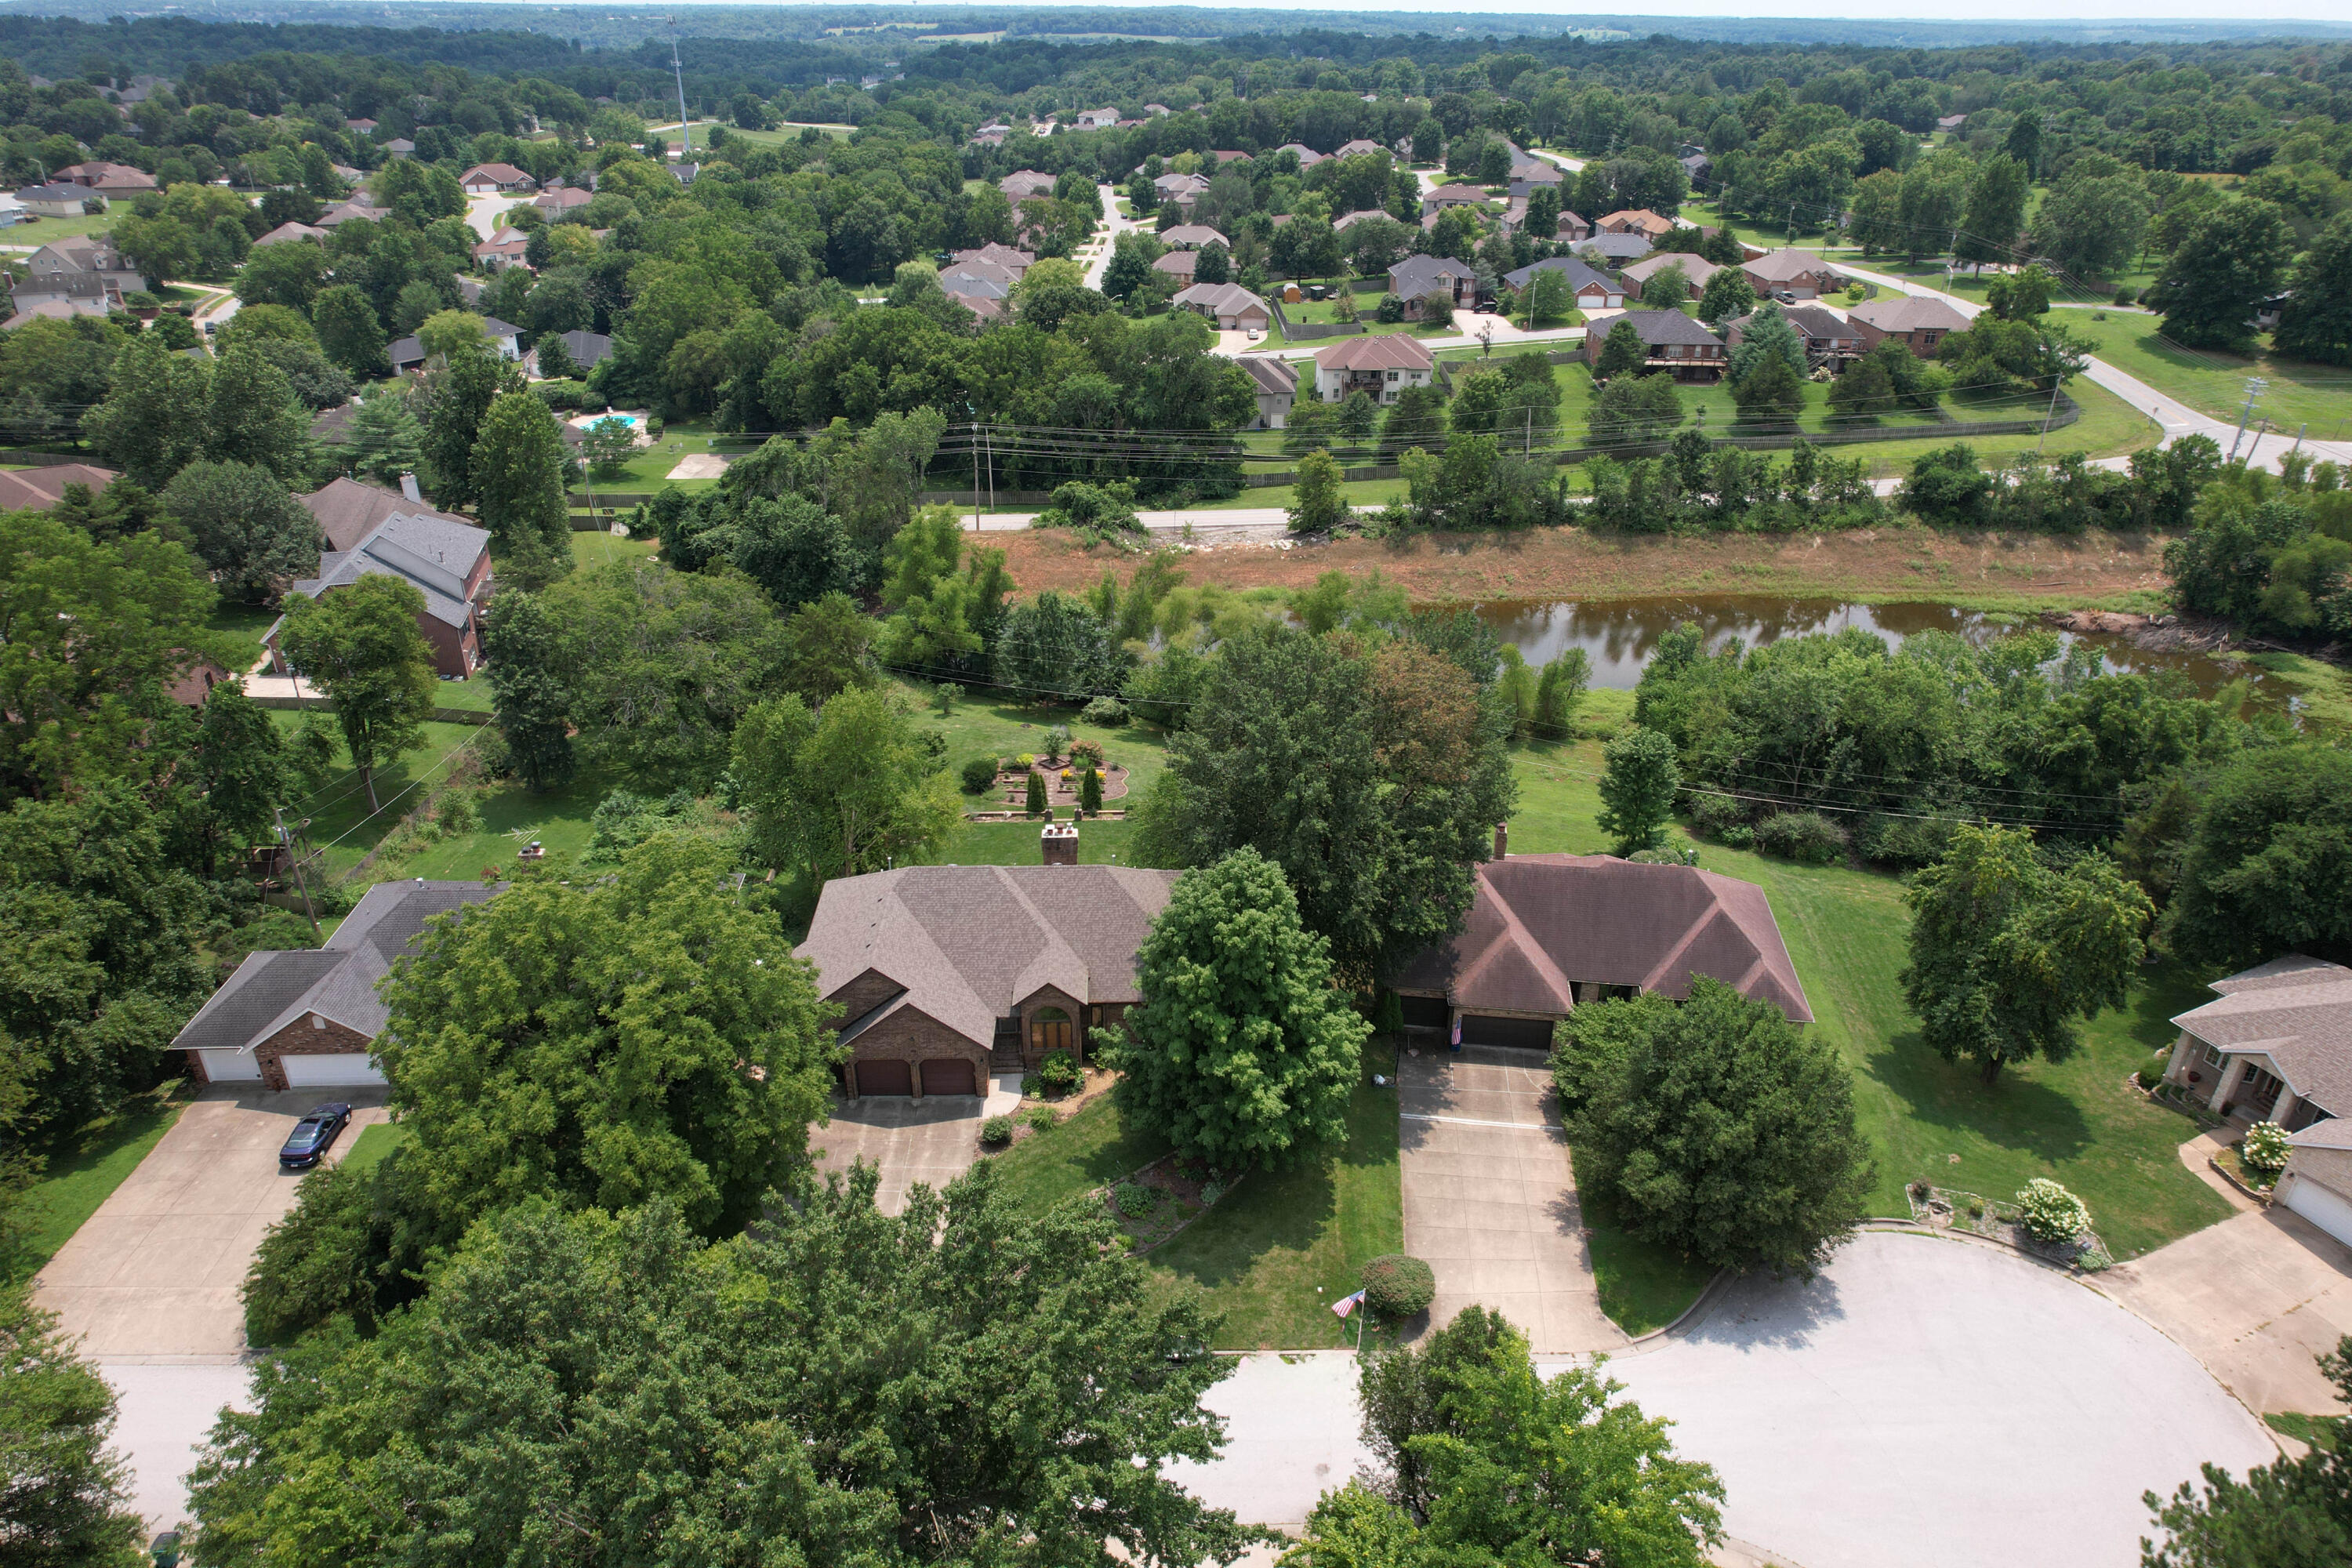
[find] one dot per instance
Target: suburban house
(1529, 170)
(1670, 341)
(1096, 119)
(1357, 148)
(1224, 157)
(1380, 364)
(1617, 249)
(400, 147)
(1572, 228)
(1180, 264)
(61, 198)
(502, 249)
(1438, 198)
(1014, 261)
(1590, 290)
(1022, 184)
(356, 208)
(38, 489)
(1232, 306)
(1636, 220)
(1829, 337)
(1308, 156)
(969, 283)
(588, 350)
(1794, 273)
(1277, 383)
(1193, 237)
(1346, 221)
(1547, 933)
(1916, 321)
(939, 975)
(84, 277)
(556, 200)
(447, 561)
(492, 179)
(348, 511)
(291, 231)
(1697, 166)
(408, 354)
(310, 1017)
(118, 180)
(1416, 277)
(1180, 188)
(2317, 1180)
(1697, 268)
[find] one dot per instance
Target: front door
(1050, 1030)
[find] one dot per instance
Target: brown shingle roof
(970, 942)
(2297, 1012)
(347, 510)
(1540, 923)
(1382, 351)
(1908, 313)
(38, 489)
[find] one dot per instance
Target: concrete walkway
(1489, 1200)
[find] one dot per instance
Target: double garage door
(941, 1075)
(2322, 1206)
(341, 1069)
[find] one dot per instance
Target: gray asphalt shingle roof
(2295, 1010)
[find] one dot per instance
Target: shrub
(1803, 835)
(1025, 760)
(1088, 753)
(456, 812)
(1059, 1071)
(978, 774)
(1032, 1086)
(561, 396)
(1738, 835)
(1136, 1200)
(2126, 295)
(1043, 1116)
(2051, 1212)
(1211, 1191)
(1090, 792)
(1108, 712)
(1057, 740)
(1388, 1012)
(2265, 1149)
(1712, 813)
(1396, 1286)
(1035, 805)
(997, 1132)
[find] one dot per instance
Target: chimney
(1502, 839)
(1059, 842)
(408, 488)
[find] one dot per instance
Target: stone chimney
(1502, 839)
(1059, 841)
(408, 488)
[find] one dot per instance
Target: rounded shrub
(1806, 836)
(997, 1132)
(1711, 814)
(1043, 1116)
(2127, 295)
(1108, 712)
(2265, 1149)
(1087, 753)
(1738, 835)
(978, 774)
(1134, 1200)
(1058, 1071)
(1396, 1286)
(2050, 1213)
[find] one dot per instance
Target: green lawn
(2215, 384)
(1082, 1153)
(340, 821)
(32, 232)
(241, 626)
(1643, 1288)
(372, 1144)
(1926, 1119)
(648, 469)
(512, 817)
(78, 1170)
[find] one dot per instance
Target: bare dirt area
(1988, 570)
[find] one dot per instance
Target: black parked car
(313, 1136)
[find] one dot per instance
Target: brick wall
(309, 1035)
(913, 1037)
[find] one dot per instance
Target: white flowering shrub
(2265, 1148)
(2050, 1213)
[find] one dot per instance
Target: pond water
(1619, 635)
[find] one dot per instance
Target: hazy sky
(2043, 11)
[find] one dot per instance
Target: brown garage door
(1523, 1034)
(947, 1075)
(885, 1077)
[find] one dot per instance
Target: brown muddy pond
(1619, 635)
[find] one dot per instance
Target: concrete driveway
(152, 1276)
(932, 1141)
(1489, 1201)
(2257, 1297)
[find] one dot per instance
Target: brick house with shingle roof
(1670, 341)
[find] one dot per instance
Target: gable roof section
(337, 982)
(434, 552)
(38, 489)
(1667, 327)
(1275, 377)
(1540, 923)
(1697, 268)
(1418, 274)
(1908, 313)
(1379, 351)
(1224, 299)
(347, 512)
(1788, 262)
(1577, 274)
(2296, 1011)
(970, 942)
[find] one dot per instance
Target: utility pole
(975, 466)
(2303, 430)
(2256, 387)
(286, 842)
(2256, 444)
(2047, 417)
(684, 126)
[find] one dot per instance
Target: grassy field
(34, 232)
(2215, 384)
(340, 821)
(78, 1170)
(372, 1144)
(649, 469)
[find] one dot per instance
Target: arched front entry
(1050, 1029)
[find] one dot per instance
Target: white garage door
(2322, 1207)
(344, 1069)
(230, 1066)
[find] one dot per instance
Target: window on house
(1049, 1029)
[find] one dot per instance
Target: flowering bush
(1058, 1071)
(1028, 759)
(2265, 1148)
(1087, 753)
(2051, 1212)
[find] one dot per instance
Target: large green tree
(456, 395)
(1481, 1459)
(65, 1495)
(246, 770)
(360, 646)
(2009, 953)
(843, 792)
(2232, 257)
(2267, 869)
(2317, 324)
(1242, 1052)
(531, 689)
(1719, 1128)
(349, 331)
(252, 416)
(970, 1382)
(518, 483)
(1373, 777)
(246, 525)
(1995, 211)
(1639, 780)
(151, 424)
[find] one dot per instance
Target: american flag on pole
(1347, 1304)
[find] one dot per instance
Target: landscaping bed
(1996, 1219)
(1165, 1197)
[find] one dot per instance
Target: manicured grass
(1006, 728)
(648, 468)
(595, 547)
(81, 1170)
(1642, 1286)
(1285, 1244)
(2215, 384)
(2302, 1428)
(1083, 1152)
(340, 820)
(1100, 843)
(2075, 1121)
(241, 626)
(33, 232)
(374, 1141)
(2109, 428)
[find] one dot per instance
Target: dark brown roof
(38, 489)
(970, 942)
(1539, 924)
(348, 511)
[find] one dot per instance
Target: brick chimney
(1502, 839)
(1059, 842)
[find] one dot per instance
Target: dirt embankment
(1884, 564)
